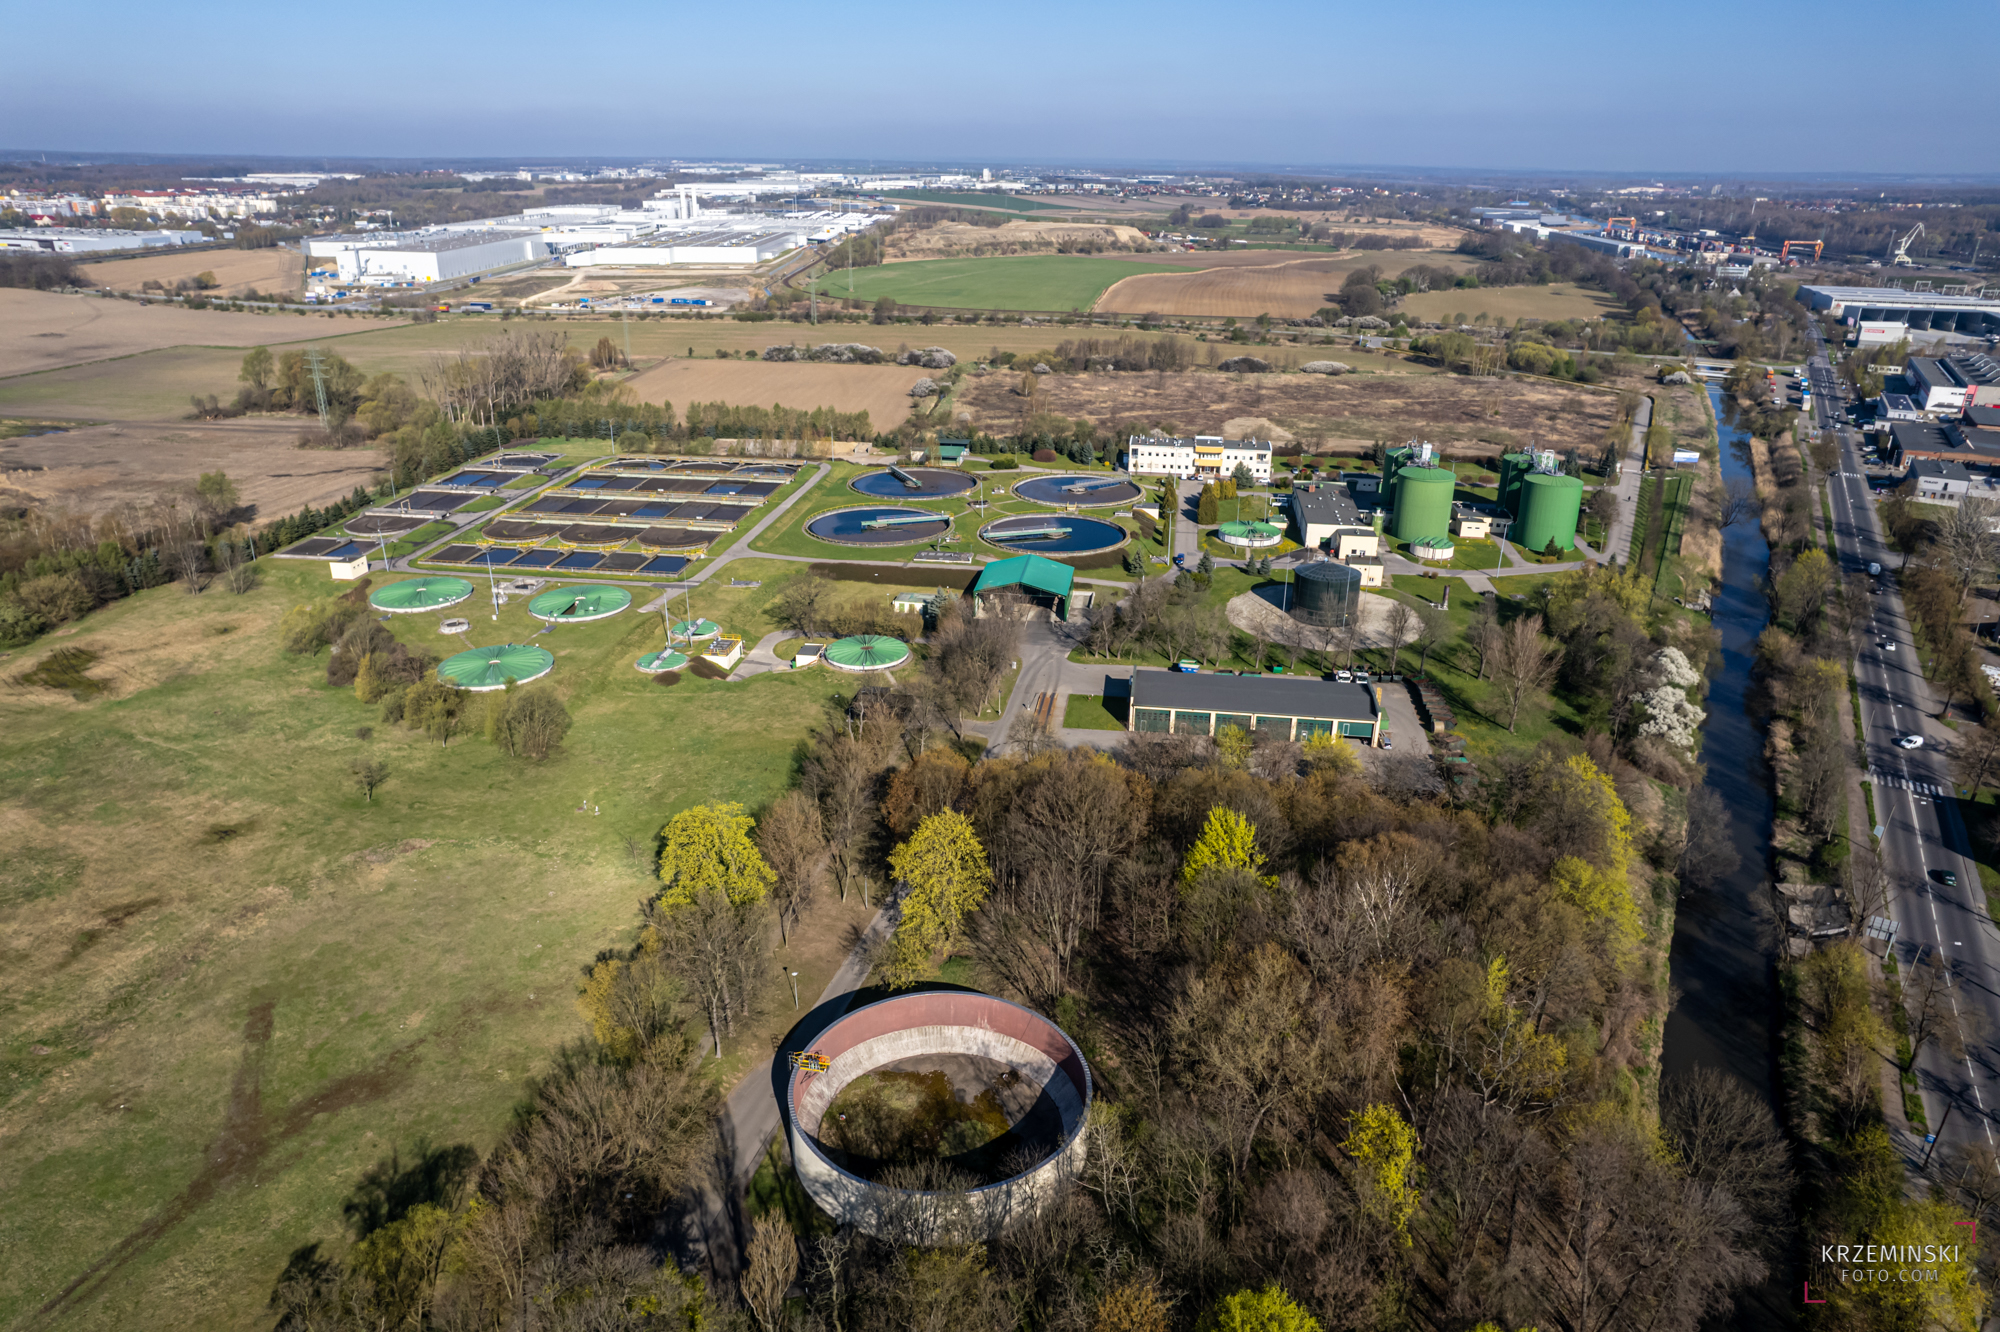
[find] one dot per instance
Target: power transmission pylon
(318, 369)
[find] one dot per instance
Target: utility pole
(626, 316)
(314, 363)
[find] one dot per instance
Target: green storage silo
(1550, 506)
(1423, 502)
(1393, 461)
(1513, 466)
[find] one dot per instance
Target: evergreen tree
(1205, 510)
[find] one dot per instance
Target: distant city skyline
(1564, 87)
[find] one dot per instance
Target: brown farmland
(880, 390)
(273, 271)
(1284, 286)
(40, 330)
(97, 468)
(1470, 417)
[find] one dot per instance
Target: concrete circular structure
(1550, 507)
(866, 652)
(938, 1023)
(878, 525)
(455, 627)
(571, 605)
(1422, 504)
(694, 629)
(658, 663)
(1327, 594)
(1054, 534)
(1081, 489)
(412, 595)
(483, 669)
(932, 483)
(1250, 535)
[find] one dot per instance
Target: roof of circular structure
(593, 601)
(1432, 542)
(481, 669)
(1328, 571)
(695, 629)
(867, 652)
(1251, 529)
(666, 659)
(419, 594)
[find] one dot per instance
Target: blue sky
(1565, 86)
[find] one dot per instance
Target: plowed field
(40, 330)
(883, 391)
(98, 468)
(1284, 291)
(269, 271)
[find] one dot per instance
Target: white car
(1909, 742)
(1888, 645)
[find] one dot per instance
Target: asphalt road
(1923, 837)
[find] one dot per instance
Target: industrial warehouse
(1170, 702)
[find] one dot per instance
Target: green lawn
(234, 984)
(1034, 282)
(1480, 705)
(484, 504)
(1088, 712)
(971, 199)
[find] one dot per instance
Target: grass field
(1558, 301)
(970, 199)
(234, 983)
(1088, 712)
(1284, 287)
(1480, 704)
(1035, 282)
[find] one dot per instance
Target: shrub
(1245, 365)
(1045, 455)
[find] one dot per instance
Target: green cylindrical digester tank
(1549, 509)
(1423, 502)
(1513, 466)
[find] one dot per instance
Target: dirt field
(880, 390)
(269, 271)
(1558, 301)
(100, 467)
(1469, 417)
(40, 330)
(1278, 283)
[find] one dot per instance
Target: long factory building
(1937, 311)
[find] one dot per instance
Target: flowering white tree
(1670, 715)
(1671, 666)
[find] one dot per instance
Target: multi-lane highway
(1937, 904)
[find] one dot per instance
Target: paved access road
(1923, 837)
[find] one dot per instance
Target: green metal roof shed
(1033, 574)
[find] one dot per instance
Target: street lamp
(794, 976)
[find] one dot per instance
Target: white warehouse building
(92, 240)
(434, 257)
(722, 248)
(1204, 457)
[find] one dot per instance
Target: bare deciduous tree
(767, 1276)
(793, 841)
(1524, 662)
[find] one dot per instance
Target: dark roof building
(1937, 477)
(1911, 440)
(1167, 701)
(1319, 511)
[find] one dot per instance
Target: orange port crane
(1818, 248)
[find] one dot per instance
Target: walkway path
(712, 1232)
(1618, 542)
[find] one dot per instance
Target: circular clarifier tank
(913, 483)
(878, 526)
(1085, 491)
(1054, 534)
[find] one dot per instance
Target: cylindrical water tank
(1326, 594)
(1549, 509)
(1423, 502)
(1513, 466)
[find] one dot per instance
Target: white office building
(1203, 457)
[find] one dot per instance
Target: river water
(1721, 960)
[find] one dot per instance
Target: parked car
(1187, 666)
